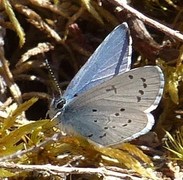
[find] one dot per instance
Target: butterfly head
(56, 107)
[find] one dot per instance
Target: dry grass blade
(41, 48)
(9, 141)
(38, 22)
(132, 149)
(175, 144)
(88, 5)
(5, 173)
(127, 160)
(19, 30)
(10, 121)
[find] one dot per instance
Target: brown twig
(14, 89)
(61, 170)
(168, 31)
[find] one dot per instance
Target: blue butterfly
(106, 101)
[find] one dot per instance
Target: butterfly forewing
(117, 109)
(139, 88)
(111, 58)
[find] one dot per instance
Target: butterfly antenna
(56, 87)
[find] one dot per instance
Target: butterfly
(106, 101)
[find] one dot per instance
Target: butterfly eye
(59, 104)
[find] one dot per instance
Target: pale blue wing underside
(111, 58)
(118, 109)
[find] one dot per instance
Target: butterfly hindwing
(107, 126)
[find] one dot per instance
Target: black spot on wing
(130, 77)
(144, 85)
(141, 92)
(90, 135)
(138, 98)
(122, 109)
(128, 122)
(102, 135)
(143, 79)
(116, 114)
(113, 88)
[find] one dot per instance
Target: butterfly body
(106, 101)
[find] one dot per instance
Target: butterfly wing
(112, 57)
(118, 109)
